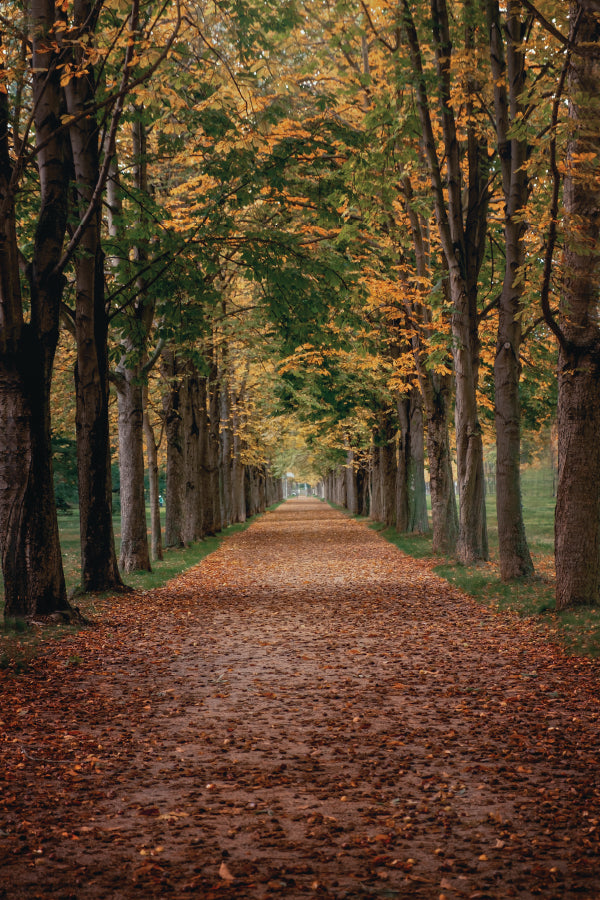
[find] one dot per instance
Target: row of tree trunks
(389, 485)
(208, 486)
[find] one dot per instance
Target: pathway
(306, 713)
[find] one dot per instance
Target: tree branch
(381, 40)
(547, 25)
(124, 89)
(552, 230)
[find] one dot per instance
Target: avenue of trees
(346, 238)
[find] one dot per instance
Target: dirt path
(307, 713)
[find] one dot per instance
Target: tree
(31, 559)
(131, 372)
(461, 203)
(172, 405)
(577, 524)
(152, 447)
(65, 101)
(99, 570)
(507, 54)
(411, 500)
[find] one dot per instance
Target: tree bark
(134, 554)
(375, 498)
(156, 550)
(577, 523)
(132, 371)
(418, 520)
(472, 528)
(194, 432)
(387, 435)
(461, 218)
(362, 489)
(509, 70)
(29, 543)
(213, 500)
(403, 451)
(249, 491)
(351, 485)
(226, 452)
(173, 407)
(238, 496)
(206, 496)
(434, 390)
(444, 515)
(99, 570)
(411, 497)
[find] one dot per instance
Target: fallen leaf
(225, 874)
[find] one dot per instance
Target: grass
(19, 640)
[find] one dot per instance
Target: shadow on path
(306, 713)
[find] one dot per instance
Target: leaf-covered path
(306, 713)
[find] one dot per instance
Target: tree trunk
(387, 432)
(152, 455)
(411, 495)
(99, 570)
(194, 431)
(472, 527)
(375, 499)
(417, 494)
(226, 451)
(461, 203)
(29, 543)
(468, 227)
(206, 496)
(173, 406)
(132, 370)
(444, 516)
(403, 464)
(577, 523)
(31, 557)
(515, 559)
(134, 554)
(362, 490)
(341, 488)
(351, 486)
(249, 491)
(262, 489)
(213, 451)
(238, 495)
